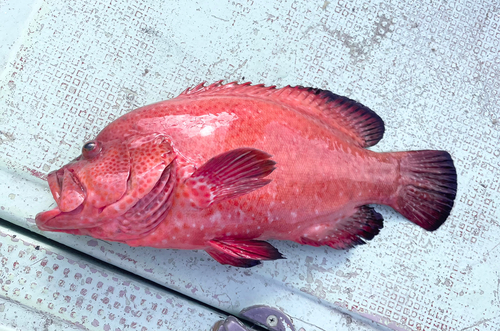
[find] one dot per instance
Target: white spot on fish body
(215, 217)
(206, 131)
(269, 217)
(202, 227)
(294, 214)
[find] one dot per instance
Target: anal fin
(242, 253)
(224, 258)
(345, 233)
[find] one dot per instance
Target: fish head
(108, 180)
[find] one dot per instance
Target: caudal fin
(429, 187)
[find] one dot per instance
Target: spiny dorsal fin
(342, 114)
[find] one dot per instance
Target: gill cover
(149, 156)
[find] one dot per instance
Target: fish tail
(428, 188)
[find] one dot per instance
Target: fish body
(224, 167)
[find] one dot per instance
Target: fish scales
(225, 167)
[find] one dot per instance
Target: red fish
(224, 167)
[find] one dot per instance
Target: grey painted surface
(430, 69)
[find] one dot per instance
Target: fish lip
(54, 179)
(63, 220)
(41, 219)
(60, 220)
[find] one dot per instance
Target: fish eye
(91, 149)
(89, 146)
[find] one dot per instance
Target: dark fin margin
(340, 113)
(242, 253)
(347, 233)
(428, 194)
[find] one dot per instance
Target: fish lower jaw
(41, 219)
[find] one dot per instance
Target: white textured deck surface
(43, 287)
(430, 69)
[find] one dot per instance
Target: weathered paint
(428, 68)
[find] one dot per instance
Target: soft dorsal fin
(340, 113)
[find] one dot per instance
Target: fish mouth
(66, 189)
(69, 195)
(139, 220)
(55, 184)
(57, 220)
(42, 218)
(55, 179)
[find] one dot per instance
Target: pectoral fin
(242, 253)
(229, 175)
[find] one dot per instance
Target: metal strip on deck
(45, 287)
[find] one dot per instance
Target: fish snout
(66, 189)
(69, 195)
